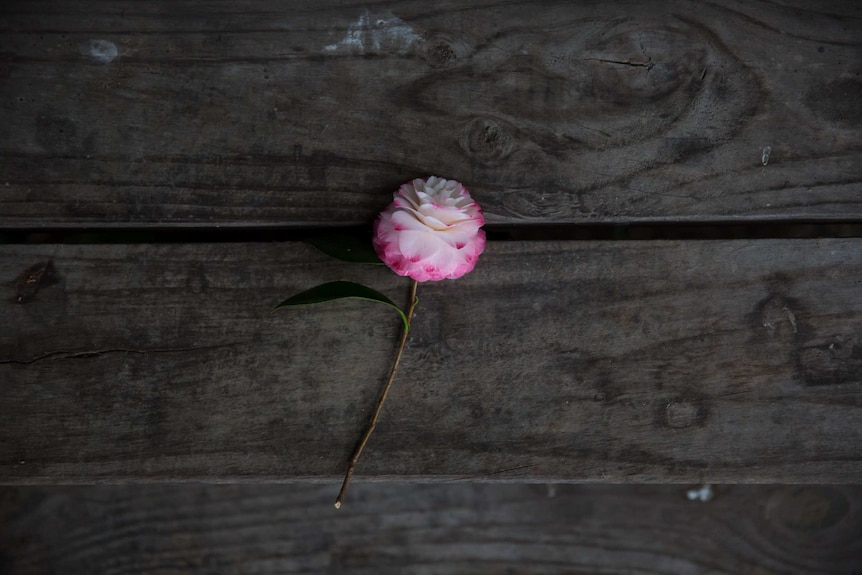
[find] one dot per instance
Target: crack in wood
(99, 352)
(648, 64)
(492, 473)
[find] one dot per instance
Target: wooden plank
(191, 112)
(424, 529)
(726, 361)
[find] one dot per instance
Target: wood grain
(197, 113)
(726, 361)
(424, 529)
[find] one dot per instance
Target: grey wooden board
(303, 113)
(425, 529)
(725, 361)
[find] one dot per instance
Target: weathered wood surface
(425, 529)
(729, 361)
(189, 112)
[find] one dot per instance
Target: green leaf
(340, 290)
(346, 248)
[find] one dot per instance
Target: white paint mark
(381, 33)
(100, 50)
(703, 494)
(792, 317)
(764, 156)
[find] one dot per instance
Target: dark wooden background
(430, 529)
(189, 112)
(159, 133)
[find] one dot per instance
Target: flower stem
(381, 400)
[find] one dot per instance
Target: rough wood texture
(493, 529)
(732, 361)
(189, 112)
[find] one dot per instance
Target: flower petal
(431, 231)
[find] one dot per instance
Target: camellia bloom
(431, 231)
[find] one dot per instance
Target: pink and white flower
(431, 231)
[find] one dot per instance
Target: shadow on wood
(423, 529)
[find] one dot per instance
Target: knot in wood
(680, 413)
(834, 362)
(486, 141)
(440, 54)
(806, 509)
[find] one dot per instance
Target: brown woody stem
(381, 400)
